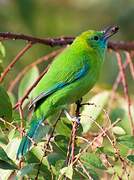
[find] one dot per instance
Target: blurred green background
(51, 18)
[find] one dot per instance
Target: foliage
(103, 154)
(100, 146)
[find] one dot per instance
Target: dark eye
(96, 38)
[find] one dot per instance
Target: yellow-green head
(97, 40)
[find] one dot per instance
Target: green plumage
(71, 75)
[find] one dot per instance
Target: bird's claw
(76, 119)
(72, 118)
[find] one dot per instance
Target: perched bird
(71, 75)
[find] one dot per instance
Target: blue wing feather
(58, 86)
(82, 72)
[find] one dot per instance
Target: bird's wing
(59, 85)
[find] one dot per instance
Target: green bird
(71, 75)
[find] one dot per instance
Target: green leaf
(31, 171)
(35, 156)
(67, 171)
(117, 113)
(5, 161)
(1, 67)
(43, 131)
(93, 174)
(2, 50)
(64, 127)
(11, 150)
(12, 98)
(59, 165)
(121, 112)
(16, 116)
(130, 158)
(91, 111)
(26, 170)
(5, 105)
(92, 159)
(53, 158)
(127, 141)
(79, 174)
(27, 81)
(11, 134)
(118, 130)
(105, 151)
(61, 142)
(12, 147)
(3, 137)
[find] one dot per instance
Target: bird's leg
(71, 118)
(78, 103)
(77, 117)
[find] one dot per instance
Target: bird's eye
(96, 38)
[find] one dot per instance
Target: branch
(21, 53)
(20, 102)
(116, 84)
(61, 41)
(38, 61)
(85, 170)
(101, 134)
(46, 145)
(74, 129)
(71, 144)
(121, 45)
(125, 87)
(131, 65)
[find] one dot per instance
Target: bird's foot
(76, 119)
(72, 118)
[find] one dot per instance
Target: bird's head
(98, 39)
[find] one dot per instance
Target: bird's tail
(26, 141)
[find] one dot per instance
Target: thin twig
(101, 134)
(84, 170)
(113, 143)
(129, 59)
(46, 144)
(69, 150)
(123, 161)
(61, 41)
(38, 61)
(20, 54)
(125, 87)
(74, 131)
(18, 129)
(116, 84)
(20, 102)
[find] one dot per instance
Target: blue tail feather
(26, 142)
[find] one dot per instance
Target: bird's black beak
(110, 31)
